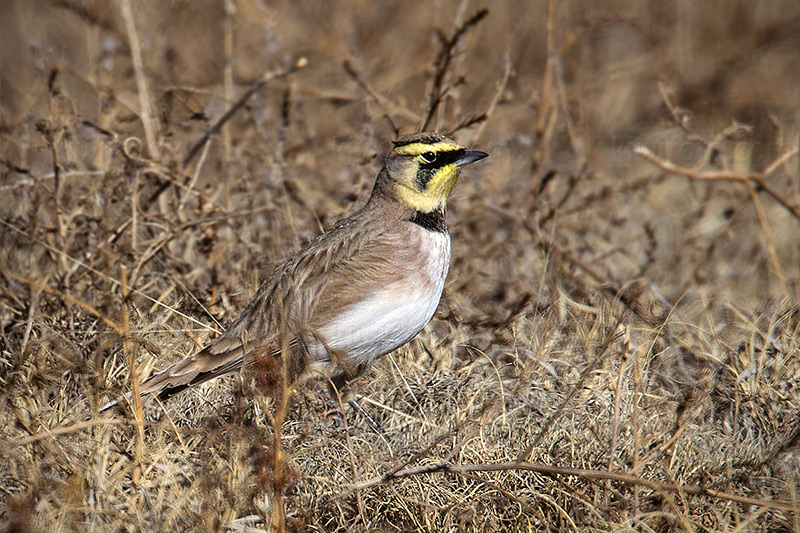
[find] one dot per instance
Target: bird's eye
(428, 157)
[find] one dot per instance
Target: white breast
(393, 314)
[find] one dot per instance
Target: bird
(358, 291)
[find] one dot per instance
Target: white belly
(393, 314)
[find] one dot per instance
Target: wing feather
(307, 290)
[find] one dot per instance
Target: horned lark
(359, 291)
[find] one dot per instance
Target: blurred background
(642, 309)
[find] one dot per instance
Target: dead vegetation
(618, 344)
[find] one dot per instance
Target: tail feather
(197, 368)
(224, 356)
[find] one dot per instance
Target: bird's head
(423, 168)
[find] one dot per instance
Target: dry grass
(618, 344)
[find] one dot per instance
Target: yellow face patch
(435, 194)
(424, 169)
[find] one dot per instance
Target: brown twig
(498, 95)
(136, 395)
(544, 118)
(442, 63)
(227, 76)
(468, 122)
(615, 419)
(628, 295)
(53, 135)
(452, 430)
(754, 181)
(213, 130)
(679, 116)
(55, 432)
(757, 178)
(92, 310)
(603, 349)
(384, 103)
(770, 242)
(44, 288)
(587, 474)
(149, 121)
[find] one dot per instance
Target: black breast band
(433, 221)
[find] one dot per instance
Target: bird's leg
(371, 421)
(339, 385)
(337, 389)
(331, 408)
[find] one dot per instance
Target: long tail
(208, 363)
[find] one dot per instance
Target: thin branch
(299, 64)
(762, 220)
(227, 77)
(542, 117)
(612, 336)
(384, 103)
(149, 121)
(136, 394)
(104, 276)
(213, 130)
(442, 63)
(42, 287)
(553, 471)
(501, 89)
(65, 429)
(679, 117)
(756, 178)
(782, 160)
(469, 122)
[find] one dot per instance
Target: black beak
(470, 156)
